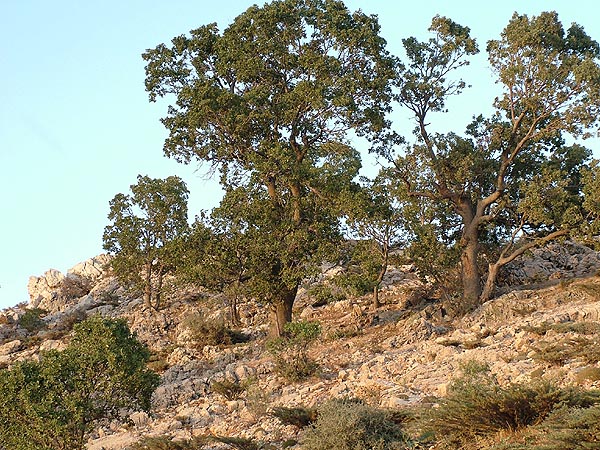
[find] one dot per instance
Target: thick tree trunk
(471, 278)
(282, 312)
(376, 304)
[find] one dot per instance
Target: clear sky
(76, 126)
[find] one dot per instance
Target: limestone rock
(10, 347)
(91, 269)
(55, 291)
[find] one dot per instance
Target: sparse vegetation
(32, 320)
(298, 416)
(477, 408)
(230, 390)
(290, 352)
(350, 424)
(210, 332)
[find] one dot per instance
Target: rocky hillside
(403, 354)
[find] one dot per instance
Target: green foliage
(376, 218)
(32, 321)
(572, 429)
(210, 332)
(324, 293)
(54, 403)
(230, 390)
(144, 234)
(351, 425)
(269, 104)
(477, 407)
(568, 348)
(291, 351)
(591, 191)
(298, 416)
(510, 183)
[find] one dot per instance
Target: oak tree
(144, 234)
(271, 102)
(510, 182)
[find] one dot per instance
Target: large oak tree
(271, 102)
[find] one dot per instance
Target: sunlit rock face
(54, 291)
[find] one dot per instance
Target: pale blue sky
(76, 126)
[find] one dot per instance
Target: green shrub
(572, 429)
(231, 390)
(54, 403)
(257, 400)
(299, 416)
(324, 294)
(205, 332)
(352, 425)
(557, 353)
(291, 351)
(477, 407)
(32, 321)
(166, 443)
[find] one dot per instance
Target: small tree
(144, 233)
(376, 219)
(591, 203)
(216, 256)
(53, 404)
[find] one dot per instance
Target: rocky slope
(403, 354)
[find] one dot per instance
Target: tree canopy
(144, 233)
(510, 181)
(270, 103)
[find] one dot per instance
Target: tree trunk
(148, 287)
(490, 282)
(282, 312)
(376, 304)
(471, 278)
(233, 309)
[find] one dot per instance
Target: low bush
(572, 429)
(230, 390)
(205, 332)
(577, 347)
(299, 416)
(290, 352)
(53, 403)
(324, 294)
(32, 320)
(477, 407)
(350, 424)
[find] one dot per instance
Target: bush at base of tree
(290, 352)
(352, 425)
(53, 404)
